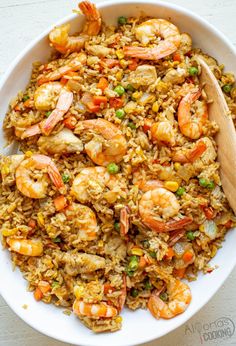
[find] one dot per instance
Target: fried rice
(87, 245)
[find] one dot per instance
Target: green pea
(153, 254)
(122, 20)
(190, 235)
(25, 98)
(227, 88)
(147, 284)
(203, 182)
(131, 125)
(119, 90)
(112, 168)
(193, 71)
(47, 113)
(130, 87)
(56, 240)
(180, 191)
(65, 177)
(133, 263)
(120, 113)
(164, 296)
(134, 292)
(211, 185)
(117, 226)
(55, 284)
(129, 272)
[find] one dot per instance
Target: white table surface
(21, 21)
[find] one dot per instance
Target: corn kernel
(162, 87)
(119, 75)
(214, 250)
(119, 319)
(155, 107)
(5, 170)
(177, 166)
(171, 185)
(201, 228)
(28, 153)
(40, 219)
(78, 291)
(120, 54)
(123, 63)
(136, 251)
(137, 94)
(8, 232)
(100, 243)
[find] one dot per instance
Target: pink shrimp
(59, 36)
(148, 31)
(190, 127)
(99, 310)
(168, 206)
(46, 126)
(37, 187)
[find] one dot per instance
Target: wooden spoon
(226, 137)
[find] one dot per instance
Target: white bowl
(140, 326)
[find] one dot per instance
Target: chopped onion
(210, 229)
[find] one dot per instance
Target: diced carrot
(92, 107)
(60, 202)
(17, 107)
(98, 100)
(102, 84)
(44, 286)
(177, 57)
(116, 102)
(147, 125)
(142, 262)
(29, 103)
(32, 223)
(38, 295)
(70, 122)
(111, 62)
(170, 253)
(187, 256)
(228, 224)
(107, 288)
(133, 64)
(209, 212)
(64, 80)
(179, 273)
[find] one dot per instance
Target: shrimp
(100, 310)
(36, 187)
(27, 247)
(110, 148)
(164, 202)
(46, 126)
(74, 63)
(148, 31)
(163, 133)
(148, 185)
(84, 220)
(179, 300)
(192, 128)
(59, 36)
(91, 182)
(190, 155)
(64, 142)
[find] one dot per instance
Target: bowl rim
(100, 5)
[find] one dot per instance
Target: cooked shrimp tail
(190, 127)
(59, 36)
(179, 300)
(64, 102)
(26, 247)
(190, 155)
(148, 31)
(100, 310)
